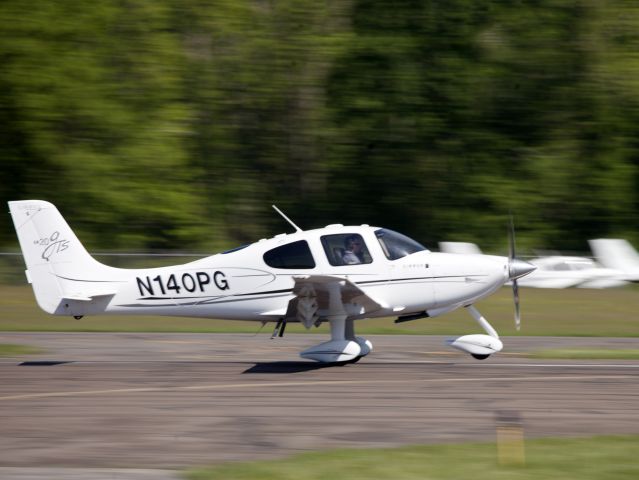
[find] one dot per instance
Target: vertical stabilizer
(618, 254)
(58, 265)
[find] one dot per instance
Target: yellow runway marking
(233, 386)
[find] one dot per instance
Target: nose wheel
(479, 346)
(479, 357)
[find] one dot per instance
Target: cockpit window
(396, 245)
(292, 256)
(346, 249)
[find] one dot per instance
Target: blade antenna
(287, 219)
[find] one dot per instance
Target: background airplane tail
(58, 266)
(616, 253)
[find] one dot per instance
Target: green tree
(176, 124)
(96, 119)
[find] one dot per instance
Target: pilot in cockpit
(353, 253)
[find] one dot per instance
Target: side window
(346, 249)
(292, 255)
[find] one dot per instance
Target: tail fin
(58, 266)
(615, 253)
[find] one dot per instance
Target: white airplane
(559, 271)
(555, 271)
(336, 274)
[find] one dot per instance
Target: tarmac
(97, 406)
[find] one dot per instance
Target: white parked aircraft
(557, 271)
(337, 274)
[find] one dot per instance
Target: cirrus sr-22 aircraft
(336, 274)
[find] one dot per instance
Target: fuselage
(255, 282)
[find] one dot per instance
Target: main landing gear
(344, 346)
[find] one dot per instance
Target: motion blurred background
(161, 125)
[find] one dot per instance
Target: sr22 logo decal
(53, 244)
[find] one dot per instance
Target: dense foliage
(175, 124)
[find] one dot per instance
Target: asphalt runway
(125, 406)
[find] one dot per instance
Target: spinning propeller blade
(516, 298)
(516, 269)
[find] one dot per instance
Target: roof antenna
(287, 219)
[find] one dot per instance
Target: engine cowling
(478, 345)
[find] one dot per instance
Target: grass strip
(571, 312)
(586, 354)
(11, 350)
(595, 458)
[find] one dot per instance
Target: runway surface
(143, 405)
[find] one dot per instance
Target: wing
(320, 296)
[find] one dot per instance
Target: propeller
(516, 268)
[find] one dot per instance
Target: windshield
(396, 245)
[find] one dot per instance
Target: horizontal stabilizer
(86, 297)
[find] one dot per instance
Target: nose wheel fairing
(480, 346)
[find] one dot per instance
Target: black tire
(346, 362)
(480, 357)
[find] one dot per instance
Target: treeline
(175, 124)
